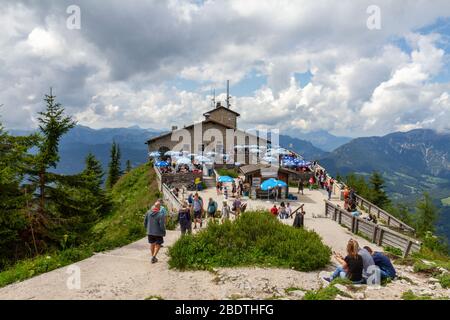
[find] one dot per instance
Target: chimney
(174, 128)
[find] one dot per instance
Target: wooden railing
(369, 207)
(378, 234)
(390, 220)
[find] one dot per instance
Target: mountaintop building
(217, 133)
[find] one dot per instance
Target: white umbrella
(172, 153)
(254, 150)
(211, 153)
(270, 159)
(202, 159)
(154, 154)
(239, 147)
(183, 160)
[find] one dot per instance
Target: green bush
(444, 280)
(395, 251)
(409, 295)
(255, 239)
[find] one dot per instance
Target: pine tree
(114, 171)
(128, 166)
(13, 218)
(377, 195)
(93, 176)
(53, 124)
(426, 215)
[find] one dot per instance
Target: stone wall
(180, 179)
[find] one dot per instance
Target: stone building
(217, 133)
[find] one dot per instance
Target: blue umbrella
(281, 183)
(161, 164)
(269, 184)
(225, 179)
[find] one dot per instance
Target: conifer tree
(378, 196)
(426, 215)
(128, 166)
(53, 124)
(114, 171)
(13, 218)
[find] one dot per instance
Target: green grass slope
(132, 195)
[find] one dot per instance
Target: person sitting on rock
(387, 270)
(351, 267)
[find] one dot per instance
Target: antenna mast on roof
(213, 100)
(228, 94)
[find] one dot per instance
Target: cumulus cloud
(122, 67)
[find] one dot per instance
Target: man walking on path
(300, 186)
(197, 205)
(155, 223)
(184, 219)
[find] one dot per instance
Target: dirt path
(126, 273)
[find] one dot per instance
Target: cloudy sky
(304, 65)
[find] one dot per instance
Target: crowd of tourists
(236, 188)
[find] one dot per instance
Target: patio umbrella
(254, 150)
(154, 154)
(267, 185)
(211, 153)
(237, 164)
(161, 164)
(172, 153)
(281, 184)
(183, 160)
(202, 159)
(270, 159)
(239, 147)
(225, 179)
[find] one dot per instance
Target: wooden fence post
(380, 239)
(389, 221)
(374, 235)
(356, 225)
(340, 217)
(408, 248)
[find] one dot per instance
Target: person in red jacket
(274, 210)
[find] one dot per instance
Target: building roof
(221, 107)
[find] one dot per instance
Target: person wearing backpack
(212, 209)
(184, 219)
